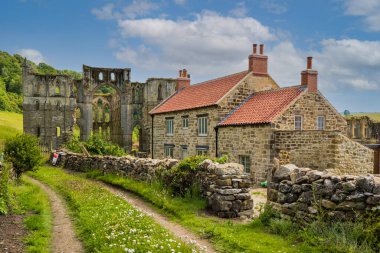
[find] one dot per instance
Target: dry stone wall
(322, 150)
(225, 186)
(303, 193)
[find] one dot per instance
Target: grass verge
(27, 198)
(225, 235)
(107, 223)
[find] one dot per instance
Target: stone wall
(253, 141)
(184, 137)
(304, 194)
(311, 105)
(324, 150)
(225, 186)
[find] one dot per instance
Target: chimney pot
(309, 62)
(180, 73)
(254, 48)
(261, 48)
(184, 73)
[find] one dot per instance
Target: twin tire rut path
(64, 239)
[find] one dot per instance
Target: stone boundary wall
(322, 150)
(225, 186)
(303, 194)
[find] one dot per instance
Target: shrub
(23, 152)
(4, 181)
(268, 214)
(181, 177)
(96, 145)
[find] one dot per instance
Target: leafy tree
(346, 112)
(23, 152)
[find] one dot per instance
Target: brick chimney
(309, 77)
(258, 63)
(183, 80)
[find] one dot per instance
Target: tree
(346, 112)
(23, 152)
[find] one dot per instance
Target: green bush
(23, 152)
(96, 145)
(181, 177)
(4, 186)
(268, 214)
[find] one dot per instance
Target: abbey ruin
(55, 106)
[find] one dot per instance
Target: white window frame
(169, 151)
(184, 152)
(295, 122)
(246, 162)
(201, 152)
(169, 123)
(323, 126)
(185, 122)
(202, 125)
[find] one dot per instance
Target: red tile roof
(262, 107)
(199, 95)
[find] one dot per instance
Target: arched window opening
(133, 95)
(38, 131)
(58, 132)
(107, 114)
(159, 92)
(137, 95)
(37, 105)
(57, 89)
(113, 76)
(136, 136)
(101, 76)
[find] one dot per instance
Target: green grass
(225, 235)
(27, 198)
(10, 124)
(105, 222)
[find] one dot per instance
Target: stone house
(248, 117)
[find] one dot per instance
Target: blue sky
(210, 38)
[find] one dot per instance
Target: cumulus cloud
(368, 9)
(32, 55)
(209, 43)
(350, 63)
(240, 10)
(138, 8)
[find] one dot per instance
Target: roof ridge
(279, 89)
(236, 108)
(218, 78)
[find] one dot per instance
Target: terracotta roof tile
(262, 107)
(199, 95)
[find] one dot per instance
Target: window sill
(170, 135)
(202, 135)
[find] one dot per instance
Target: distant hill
(11, 79)
(374, 116)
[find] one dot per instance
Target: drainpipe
(152, 135)
(216, 140)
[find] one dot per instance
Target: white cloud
(138, 8)
(285, 64)
(350, 63)
(32, 55)
(208, 44)
(180, 2)
(368, 9)
(240, 10)
(347, 64)
(276, 7)
(105, 12)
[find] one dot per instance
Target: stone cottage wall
(303, 194)
(324, 150)
(311, 105)
(225, 186)
(253, 141)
